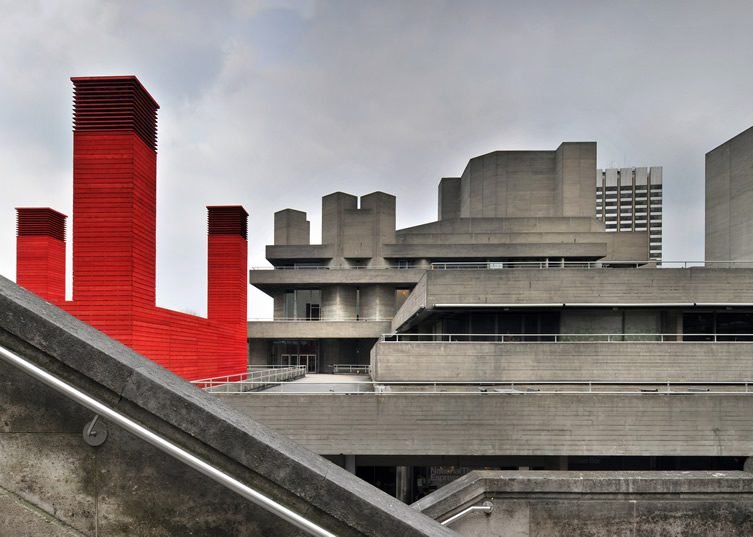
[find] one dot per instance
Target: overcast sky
(273, 104)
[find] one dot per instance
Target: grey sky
(272, 104)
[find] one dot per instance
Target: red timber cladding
(40, 252)
(114, 245)
(114, 226)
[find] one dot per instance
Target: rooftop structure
(729, 200)
(114, 241)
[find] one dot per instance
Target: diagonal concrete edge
(172, 407)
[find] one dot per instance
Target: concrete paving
(324, 383)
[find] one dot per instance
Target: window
(303, 304)
(400, 296)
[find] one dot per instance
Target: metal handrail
(566, 338)
(163, 444)
(350, 368)
(486, 507)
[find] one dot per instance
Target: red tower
(114, 241)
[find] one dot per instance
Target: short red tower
(40, 252)
(114, 241)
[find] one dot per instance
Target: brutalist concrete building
(729, 200)
(513, 332)
(521, 209)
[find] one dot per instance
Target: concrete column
(350, 464)
(748, 466)
(403, 479)
(377, 302)
(338, 302)
(278, 296)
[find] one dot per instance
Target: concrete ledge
(264, 279)
(317, 329)
(591, 361)
(172, 407)
(526, 424)
(551, 503)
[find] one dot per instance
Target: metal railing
(342, 267)
(543, 264)
(255, 379)
(518, 387)
(553, 264)
(163, 444)
(486, 507)
(319, 320)
(566, 338)
(352, 369)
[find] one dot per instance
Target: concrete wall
(449, 198)
(531, 183)
(598, 504)
(729, 200)
(574, 188)
(511, 424)
(358, 233)
(509, 184)
(415, 303)
(291, 227)
(316, 329)
(125, 487)
(259, 350)
(583, 286)
(530, 362)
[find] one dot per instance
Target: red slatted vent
(114, 103)
(228, 220)
(40, 221)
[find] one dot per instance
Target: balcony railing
(544, 264)
(501, 387)
(254, 379)
(567, 338)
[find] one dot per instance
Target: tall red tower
(114, 201)
(114, 241)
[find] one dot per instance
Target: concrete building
(729, 200)
(508, 208)
(515, 332)
(630, 199)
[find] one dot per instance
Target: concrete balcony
(577, 288)
(268, 279)
(641, 361)
(317, 329)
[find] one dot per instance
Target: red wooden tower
(114, 241)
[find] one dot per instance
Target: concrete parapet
(316, 329)
(599, 504)
(527, 424)
(626, 362)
